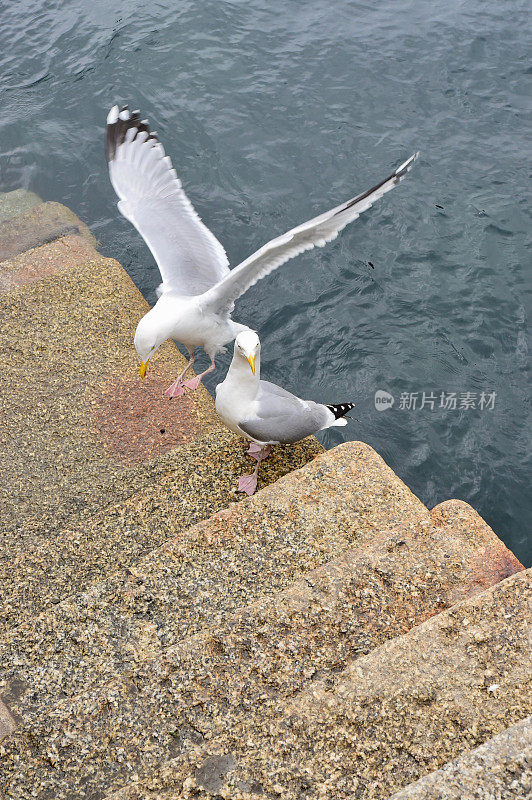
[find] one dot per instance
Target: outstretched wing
(315, 233)
(190, 258)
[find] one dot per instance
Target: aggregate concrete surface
(233, 682)
(501, 769)
(16, 202)
(37, 226)
(254, 546)
(404, 710)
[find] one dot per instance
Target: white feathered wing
(314, 233)
(190, 258)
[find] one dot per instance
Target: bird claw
(177, 389)
(247, 484)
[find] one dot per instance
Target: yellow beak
(251, 360)
(143, 368)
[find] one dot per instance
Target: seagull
(198, 290)
(266, 414)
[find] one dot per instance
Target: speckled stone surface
(7, 723)
(462, 519)
(37, 226)
(64, 386)
(160, 500)
(255, 546)
(16, 202)
(501, 769)
(235, 679)
(34, 265)
(406, 709)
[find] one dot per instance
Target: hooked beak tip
(143, 369)
(251, 362)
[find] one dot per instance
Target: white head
(149, 336)
(247, 346)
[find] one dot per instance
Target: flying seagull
(263, 413)
(198, 291)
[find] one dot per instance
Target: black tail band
(341, 409)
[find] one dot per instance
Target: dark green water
(274, 111)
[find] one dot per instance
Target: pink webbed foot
(193, 383)
(257, 452)
(177, 389)
(247, 484)
(253, 450)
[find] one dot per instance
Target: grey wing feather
(283, 417)
(315, 233)
(190, 258)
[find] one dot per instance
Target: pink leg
(248, 483)
(177, 387)
(255, 450)
(193, 383)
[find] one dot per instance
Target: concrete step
(404, 710)
(39, 225)
(460, 518)
(259, 545)
(55, 258)
(75, 411)
(500, 769)
(75, 414)
(154, 502)
(80, 432)
(249, 664)
(17, 202)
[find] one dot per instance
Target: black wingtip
(119, 122)
(396, 177)
(341, 409)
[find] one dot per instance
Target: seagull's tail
(339, 412)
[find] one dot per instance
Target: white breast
(234, 404)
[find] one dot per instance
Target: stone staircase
(162, 638)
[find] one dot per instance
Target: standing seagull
(266, 414)
(198, 291)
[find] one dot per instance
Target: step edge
(507, 741)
